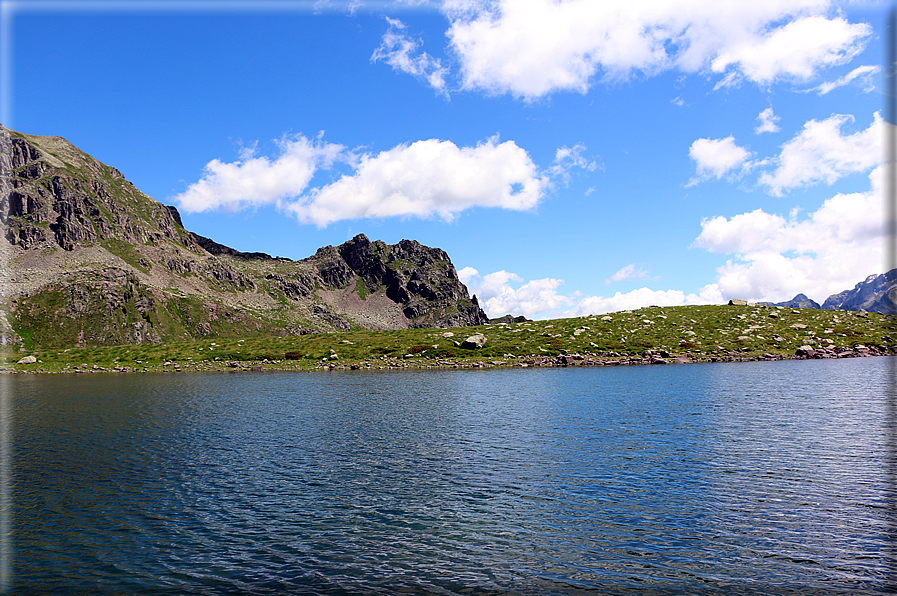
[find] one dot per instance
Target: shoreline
(586, 360)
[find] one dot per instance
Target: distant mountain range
(877, 293)
(88, 259)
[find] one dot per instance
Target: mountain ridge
(91, 260)
(876, 293)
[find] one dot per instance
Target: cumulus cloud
(714, 158)
(401, 52)
(767, 122)
(863, 73)
(498, 296)
(795, 51)
(822, 153)
(630, 271)
(531, 48)
(466, 274)
(255, 181)
(427, 178)
(822, 253)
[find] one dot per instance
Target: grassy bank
(696, 333)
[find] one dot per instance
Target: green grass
(361, 289)
(696, 331)
(125, 251)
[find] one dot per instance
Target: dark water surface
(753, 478)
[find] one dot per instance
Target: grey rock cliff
(58, 193)
(419, 278)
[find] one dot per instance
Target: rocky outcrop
(422, 280)
(58, 193)
(510, 319)
(91, 260)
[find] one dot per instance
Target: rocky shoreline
(587, 359)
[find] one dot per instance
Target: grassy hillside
(698, 333)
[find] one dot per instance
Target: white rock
(478, 340)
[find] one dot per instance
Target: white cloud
(630, 271)
(531, 48)
(863, 73)
(767, 122)
(497, 296)
(398, 50)
(714, 158)
(427, 178)
(466, 274)
(821, 153)
(642, 297)
(567, 158)
(255, 181)
(776, 258)
(539, 298)
(797, 50)
(742, 233)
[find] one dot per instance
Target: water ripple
(762, 478)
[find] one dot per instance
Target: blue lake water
(750, 478)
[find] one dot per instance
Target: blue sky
(571, 157)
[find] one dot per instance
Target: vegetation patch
(126, 252)
(238, 340)
(361, 289)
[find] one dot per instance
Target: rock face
(59, 194)
(877, 293)
(90, 260)
(420, 279)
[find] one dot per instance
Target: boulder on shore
(477, 340)
(807, 351)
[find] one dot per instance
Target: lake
(747, 478)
